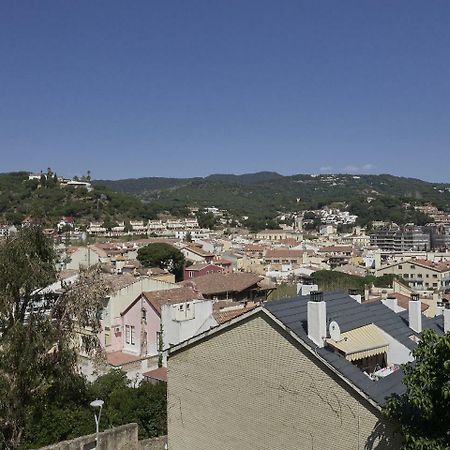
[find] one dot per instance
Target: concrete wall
(124, 437)
(252, 387)
(157, 443)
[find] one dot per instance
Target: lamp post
(97, 404)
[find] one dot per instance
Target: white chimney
(391, 303)
(317, 319)
(415, 313)
(446, 320)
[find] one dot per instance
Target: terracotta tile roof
(440, 266)
(198, 251)
(119, 358)
(403, 301)
(200, 266)
(169, 297)
(222, 261)
(159, 374)
(283, 253)
(118, 282)
(215, 283)
(254, 248)
(224, 315)
(336, 248)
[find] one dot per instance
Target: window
(127, 334)
(133, 332)
(419, 275)
(158, 338)
(405, 275)
(434, 275)
(412, 266)
(400, 267)
(144, 314)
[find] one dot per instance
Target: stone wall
(124, 437)
(157, 443)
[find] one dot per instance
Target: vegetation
(43, 398)
(47, 201)
(329, 280)
(261, 196)
(37, 330)
(69, 415)
(284, 290)
(162, 255)
(423, 411)
(206, 220)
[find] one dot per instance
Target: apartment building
(421, 274)
(403, 239)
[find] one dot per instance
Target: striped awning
(361, 343)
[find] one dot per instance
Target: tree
(206, 220)
(164, 256)
(423, 411)
(38, 329)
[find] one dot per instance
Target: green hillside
(262, 195)
(20, 197)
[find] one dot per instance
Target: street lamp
(97, 404)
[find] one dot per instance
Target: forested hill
(47, 201)
(372, 197)
(261, 196)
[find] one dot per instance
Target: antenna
(335, 331)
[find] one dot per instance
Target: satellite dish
(335, 331)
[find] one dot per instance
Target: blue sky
(189, 88)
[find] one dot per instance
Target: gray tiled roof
(350, 315)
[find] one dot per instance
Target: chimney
(415, 313)
(317, 318)
(391, 303)
(447, 318)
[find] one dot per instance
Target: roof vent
(414, 297)
(316, 296)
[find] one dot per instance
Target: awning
(361, 343)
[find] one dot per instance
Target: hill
(262, 195)
(20, 197)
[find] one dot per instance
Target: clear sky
(189, 87)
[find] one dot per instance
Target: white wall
(177, 331)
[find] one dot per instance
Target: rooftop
(351, 315)
(214, 283)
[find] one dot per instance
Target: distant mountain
(263, 194)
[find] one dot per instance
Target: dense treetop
(48, 201)
(262, 195)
